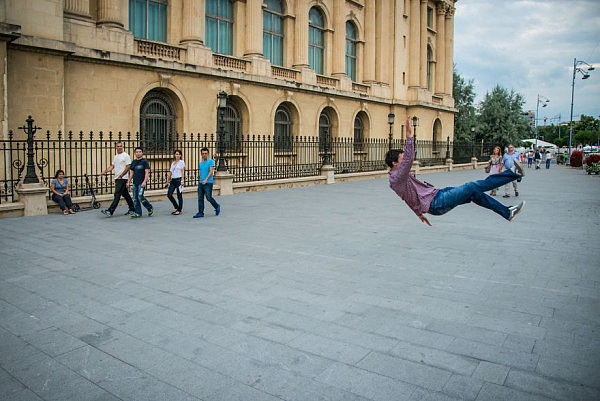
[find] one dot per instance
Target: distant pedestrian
(175, 179)
(538, 159)
(549, 157)
(495, 165)
(140, 171)
(508, 162)
(529, 159)
(205, 184)
(59, 187)
(423, 197)
(120, 169)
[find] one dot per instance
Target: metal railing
(256, 157)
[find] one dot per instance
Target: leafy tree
(501, 117)
(465, 118)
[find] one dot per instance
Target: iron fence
(254, 158)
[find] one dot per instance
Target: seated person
(59, 186)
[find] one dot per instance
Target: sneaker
(150, 212)
(218, 210)
(506, 196)
(519, 168)
(135, 215)
(106, 212)
(198, 215)
(516, 193)
(129, 213)
(515, 210)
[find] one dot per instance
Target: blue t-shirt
(60, 188)
(205, 170)
(139, 170)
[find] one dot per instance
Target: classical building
(295, 67)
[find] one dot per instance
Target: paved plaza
(332, 292)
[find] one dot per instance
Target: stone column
(440, 78)
(109, 13)
(301, 29)
(78, 7)
(382, 34)
(369, 58)
(254, 28)
(415, 37)
(449, 49)
(423, 45)
(339, 39)
(192, 26)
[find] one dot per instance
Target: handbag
(487, 168)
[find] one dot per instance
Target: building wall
(75, 65)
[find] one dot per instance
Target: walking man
(423, 197)
(140, 170)
(509, 161)
(205, 185)
(120, 169)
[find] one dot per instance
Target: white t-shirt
(121, 161)
(176, 169)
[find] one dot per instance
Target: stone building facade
(301, 67)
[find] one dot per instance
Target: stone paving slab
(333, 292)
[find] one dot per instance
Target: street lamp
(415, 123)
(584, 75)
(222, 105)
(544, 102)
(391, 123)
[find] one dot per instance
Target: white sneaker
(515, 210)
(519, 168)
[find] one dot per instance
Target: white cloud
(529, 46)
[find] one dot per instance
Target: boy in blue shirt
(207, 170)
(141, 169)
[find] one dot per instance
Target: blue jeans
(139, 199)
(448, 198)
(205, 190)
(174, 186)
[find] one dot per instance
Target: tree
(465, 118)
(501, 117)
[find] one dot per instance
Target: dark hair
(138, 147)
(58, 172)
(178, 151)
(204, 149)
(392, 156)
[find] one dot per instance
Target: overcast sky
(529, 46)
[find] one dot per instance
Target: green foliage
(464, 96)
(501, 117)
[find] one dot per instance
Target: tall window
(429, 17)
(219, 26)
(233, 131)
(148, 19)
(429, 65)
(359, 135)
(351, 50)
(324, 132)
(157, 122)
(316, 40)
(283, 130)
(273, 31)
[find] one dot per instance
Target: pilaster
(192, 27)
(301, 35)
(254, 28)
(109, 13)
(440, 86)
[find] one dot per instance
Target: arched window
(316, 40)
(429, 65)
(273, 31)
(359, 135)
(148, 19)
(219, 26)
(233, 131)
(324, 132)
(157, 123)
(283, 130)
(351, 50)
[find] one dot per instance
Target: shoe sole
(522, 206)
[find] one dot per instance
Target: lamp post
(30, 177)
(584, 75)
(544, 102)
(391, 123)
(415, 123)
(222, 104)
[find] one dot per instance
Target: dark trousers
(205, 190)
(174, 186)
(64, 202)
(121, 190)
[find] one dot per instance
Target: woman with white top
(175, 178)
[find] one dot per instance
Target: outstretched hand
(409, 128)
(424, 220)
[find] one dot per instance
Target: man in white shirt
(120, 167)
